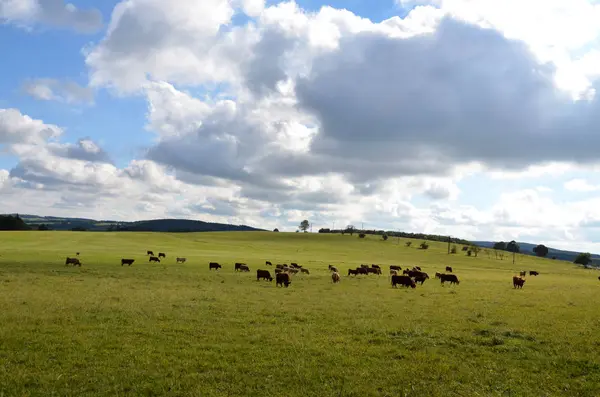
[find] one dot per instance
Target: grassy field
(181, 330)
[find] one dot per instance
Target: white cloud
(51, 12)
(18, 128)
(580, 185)
(56, 90)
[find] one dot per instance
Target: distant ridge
(153, 225)
(527, 248)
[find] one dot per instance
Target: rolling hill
(155, 225)
(527, 248)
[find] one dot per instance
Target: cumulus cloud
(85, 149)
(51, 12)
(17, 128)
(56, 90)
(580, 185)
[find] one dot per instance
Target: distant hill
(155, 225)
(527, 248)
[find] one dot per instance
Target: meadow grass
(181, 330)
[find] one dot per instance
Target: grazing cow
(393, 272)
(73, 261)
(214, 265)
(181, 260)
(375, 266)
(279, 266)
(283, 279)
(420, 278)
(237, 266)
(268, 263)
(264, 274)
(533, 273)
(451, 278)
(244, 268)
(414, 273)
(364, 266)
(438, 275)
(277, 271)
(162, 255)
(353, 272)
(518, 282)
(362, 270)
(127, 262)
(394, 267)
(149, 253)
(523, 273)
(335, 277)
(404, 281)
(333, 269)
(305, 271)
(153, 259)
(448, 269)
(373, 270)
(295, 265)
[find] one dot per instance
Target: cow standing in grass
(72, 261)
(533, 273)
(264, 274)
(150, 253)
(449, 269)
(403, 280)
(181, 260)
(335, 277)
(518, 282)
(162, 255)
(154, 259)
(127, 262)
(451, 278)
(214, 265)
(282, 279)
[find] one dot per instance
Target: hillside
(527, 248)
(156, 225)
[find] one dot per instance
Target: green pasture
(172, 329)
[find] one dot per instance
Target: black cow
(238, 265)
(373, 270)
(149, 253)
(162, 255)
(153, 259)
(353, 272)
(244, 268)
(73, 261)
(268, 263)
(448, 269)
(264, 274)
(518, 282)
(420, 278)
(214, 265)
(404, 281)
(451, 278)
(181, 260)
(295, 265)
(283, 279)
(127, 262)
(362, 270)
(394, 267)
(533, 273)
(375, 266)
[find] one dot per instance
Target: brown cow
(451, 278)
(305, 271)
(264, 274)
(214, 265)
(283, 279)
(448, 269)
(73, 261)
(335, 277)
(404, 281)
(128, 262)
(518, 282)
(153, 259)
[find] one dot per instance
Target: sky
(472, 118)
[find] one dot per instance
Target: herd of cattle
(283, 272)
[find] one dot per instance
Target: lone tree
(350, 229)
(408, 243)
(474, 249)
(500, 246)
(304, 225)
(276, 230)
(583, 259)
(540, 250)
(513, 247)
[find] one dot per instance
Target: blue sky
(371, 115)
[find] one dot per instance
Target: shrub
(424, 245)
(453, 250)
(276, 230)
(408, 243)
